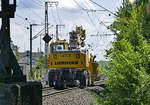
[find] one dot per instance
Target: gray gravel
(75, 97)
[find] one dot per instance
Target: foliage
(40, 63)
(1, 84)
(128, 71)
(127, 78)
(37, 74)
(17, 53)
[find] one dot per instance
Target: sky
(67, 12)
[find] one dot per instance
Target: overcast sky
(70, 13)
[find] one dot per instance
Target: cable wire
(19, 24)
(37, 3)
(94, 13)
(22, 18)
(53, 16)
(79, 5)
(103, 7)
(41, 32)
(23, 4)
(88, 16)
(92, 21)
(33, 11)
(60, 21)
(37, 14)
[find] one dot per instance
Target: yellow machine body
(68, 59)
(94, 69)
(68, 62)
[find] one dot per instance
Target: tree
(128, 74)
(39, 71)
(40, 63)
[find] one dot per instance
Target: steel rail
(47, 89)
(60, 92)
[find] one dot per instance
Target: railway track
(46, 89)
(60, 92)
(57, 92)
(99, 82)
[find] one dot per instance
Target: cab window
(59, 47)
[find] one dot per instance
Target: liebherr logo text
(66, 55)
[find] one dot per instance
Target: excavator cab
(58, 46)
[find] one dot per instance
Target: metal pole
(123, 3)
(40, 44)
(57, 32)
(57, 29)
(30, 50)
(46, 30)
(46, 33)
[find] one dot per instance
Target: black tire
(89, 81)
(51, 79)
(65, 85)
(51, 84)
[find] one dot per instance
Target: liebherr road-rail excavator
(70, 64)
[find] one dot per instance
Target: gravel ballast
(75, 97)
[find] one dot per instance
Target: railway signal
(47, 38)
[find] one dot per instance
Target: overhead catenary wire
(94, 13)
(92, 21)
(103, 35)
(41, 32)
(87, 4)
(79, 5)
(38, 34)
(103, 7)
(42, 2)
(96, 20)
(54, 18)
(23, 4)
(88, 16)
(96, 17)
(60, 21)
(19, 24)
(34, 12)
(88, 10)
(37, 3)
(22, 18)
(38, 15)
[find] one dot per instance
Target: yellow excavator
(69, 62)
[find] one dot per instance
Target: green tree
(40, 63)
(128, 74)
(39, 71)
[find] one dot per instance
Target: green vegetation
(37, 74)
(128, 71)
(1, 84)
(17, 54)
